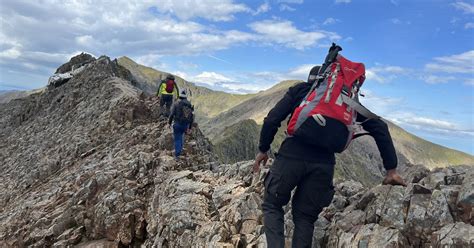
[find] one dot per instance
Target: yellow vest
(162, 90)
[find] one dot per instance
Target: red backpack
(327, 115)
(169, 86)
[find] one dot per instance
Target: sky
(419, 54)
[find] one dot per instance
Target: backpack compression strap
(358, 107)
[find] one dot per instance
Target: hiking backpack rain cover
(326, 117)
(169, 86)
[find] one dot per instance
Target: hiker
(306, 158)
(183, 116)
(166, 90)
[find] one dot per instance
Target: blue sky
(419, 54)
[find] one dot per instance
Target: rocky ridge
(89, 163)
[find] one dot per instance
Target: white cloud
(371, 75)
(434, 79)
(428, 124)
(458, 63)
(389, 69)
(285, 33)
(243, 88)
(301, 72)
(187, 65)
(395, 21)
(467, 8)
(210, 78)
(169, 26)
(381, 105)
(384, 74)
(291, 1)
(265, 7)
(151, 60)
(348, 39)
(469, 25)
(214, 10)
(11, 53)
(182, 74)
(343, 1)
(85, 40)
(267, 77)
(286, 7)
(330, 20)
(469, 81)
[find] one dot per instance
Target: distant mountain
(224, 118)
(8, 95)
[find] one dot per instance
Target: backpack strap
(358, 107)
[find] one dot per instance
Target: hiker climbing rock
(183, 117)
(325, 116)
(166, 90)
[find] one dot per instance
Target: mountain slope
(79, 162)
(237, 140)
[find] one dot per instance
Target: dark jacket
(174, 111)
(291, 147)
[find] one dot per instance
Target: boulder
(457, 234)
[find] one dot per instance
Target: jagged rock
(454, 235)
(466, 199)
(349, 188)
(414, 173)
(434, 180)
(75, 62)
(370, 235)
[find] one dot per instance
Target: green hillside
(238, 142)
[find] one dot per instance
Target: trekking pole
(331, 57)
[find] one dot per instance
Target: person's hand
(261, 157)
(188, 131)
(393, 178)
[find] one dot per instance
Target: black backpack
(184, 112)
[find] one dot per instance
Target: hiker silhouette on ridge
(306, 158)
(183, 117)
(166, 90)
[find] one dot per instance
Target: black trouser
(314, 191)
(166, 100)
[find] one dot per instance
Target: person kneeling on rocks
(183, 117)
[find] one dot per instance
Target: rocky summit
(88, 163)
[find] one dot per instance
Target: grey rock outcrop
(75, 62)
